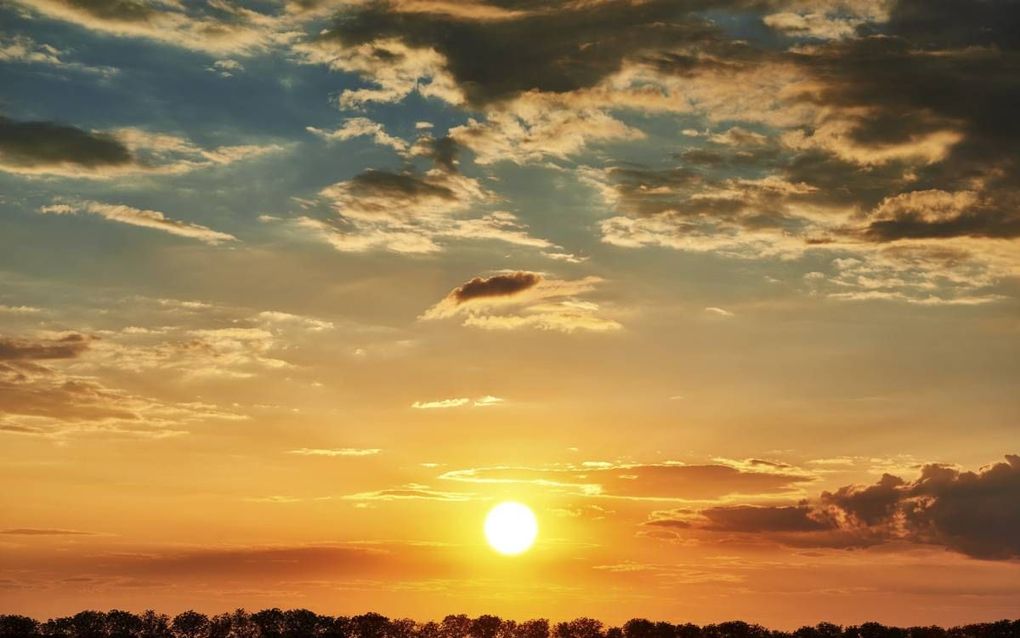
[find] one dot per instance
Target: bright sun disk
(511, 528)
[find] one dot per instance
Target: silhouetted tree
(429, 629)
(18, 627)
(370, 625)
(269, 622)
(402, 628)
(190, 624)
(302, 623)
(735, 629)
(579, 628)
(57, 628)
(639, 628)
(455, 626)
(687, 630)
(537, 628)
(154, 625)
(122, 624)
(485, 626)
(339, 627)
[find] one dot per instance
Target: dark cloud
(389, 185)
(31, 145)
(66, 347)
(442, 151)
(496, 286)
(550, 47)
(866, 506)
(245, 565)
(115, 10)
(768, 519)
(974, 513)
(995, 217)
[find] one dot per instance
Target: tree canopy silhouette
(302, 623)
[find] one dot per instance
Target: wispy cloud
(153, 219)
(443, 404)
(342, 451)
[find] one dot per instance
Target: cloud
(153, 219)
(520, 299)
(442, 404)
(41, 147)
(655, 481)
(33, 531)
(413, 212)
(40, 399)
(311, 323)
(935, 213)
(344, 451)
(19, 310)
(410, 492)
(968, 512)
(361, 127)
(573, 46)
(67, 346)
(23, 49)
(219, 28)
(496, 286)
(817, 121)
(535, 127)
(54, 149)
(226, 68)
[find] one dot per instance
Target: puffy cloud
(153, 219)
(523, 299)
(928, 246)
(415, 212)
(968, 512)
(536, 126)
(936, 213)
(496, 286)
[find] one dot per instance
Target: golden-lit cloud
(153, 219)
(344, 451)
(521, 299)
(652, 481)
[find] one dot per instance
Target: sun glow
(511, 528)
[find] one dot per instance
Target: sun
(511, 528)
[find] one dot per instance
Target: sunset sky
(292, 292)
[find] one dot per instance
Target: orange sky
(292, 294)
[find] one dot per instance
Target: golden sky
(292, 293)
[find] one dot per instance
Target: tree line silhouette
(302, 623)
